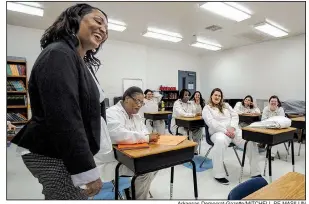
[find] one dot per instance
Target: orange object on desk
(133, 146)
(171, 140)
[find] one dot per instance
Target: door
(187, 80)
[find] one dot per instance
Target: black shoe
(195, 153)
(257, 176)
(223, 181)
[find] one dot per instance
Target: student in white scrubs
(222, 122)
(198, 101)
(152, 101)
(125, 126)
(185, 108)
(248, 107)
(273, 109)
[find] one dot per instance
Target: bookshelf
(169, 97)
(17, 92)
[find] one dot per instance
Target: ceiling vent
(213, 28)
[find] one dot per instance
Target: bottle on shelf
(162, 106)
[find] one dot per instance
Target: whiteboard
(127, 83)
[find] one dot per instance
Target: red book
(133, 146)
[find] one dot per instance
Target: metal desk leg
(299, 148)
(269, 165)
(194, 179)
(133, 187)
(177, 130)
(243, 161)
(266, 159)
(117, 180)
(300, 142)
(172, 182)
(292, 149)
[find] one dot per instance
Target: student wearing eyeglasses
(125, 126)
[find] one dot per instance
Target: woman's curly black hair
(66, 26)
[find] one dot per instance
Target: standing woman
(198, 101)
(67, 128)
(152, 105)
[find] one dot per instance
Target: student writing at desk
(185, 108)
(222, 122)
(151, 105)
(246, 107)
(125, 126)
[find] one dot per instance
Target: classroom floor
(22, 185)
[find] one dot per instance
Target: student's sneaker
(223, 181)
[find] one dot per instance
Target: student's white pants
(142, 182)
(158, 126)
(195, 135)
(221, 142)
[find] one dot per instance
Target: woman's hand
(154, 137)
(230, 132)
(93, 188)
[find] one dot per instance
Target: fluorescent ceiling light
(200, 43)
(271, 30)
(163, 35)
(18, 7)
(33, 4)
(229, 10)
(116, 25)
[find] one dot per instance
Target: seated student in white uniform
(198, 101)
(125, 126)
(185, 108)
(248, 107)
(152, 105)
(222, 122)
(273, 109)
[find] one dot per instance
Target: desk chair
(208, 140)
(246, 188)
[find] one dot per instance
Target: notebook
(133, 146)
(171, 140)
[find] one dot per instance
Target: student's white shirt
(122, 129)
(267, 113)
(219, 122)
(181, 109)
(198, 107)
(151, 105)
(240, 109)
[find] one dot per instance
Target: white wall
(119, 60)
(274, 67)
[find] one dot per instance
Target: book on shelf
(13, 85)
(15, 70)
(16, 100)
(15, 117)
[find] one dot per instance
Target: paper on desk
(171, 140)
